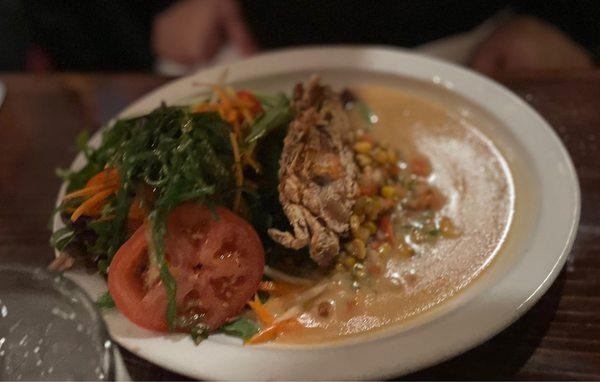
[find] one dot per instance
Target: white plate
(542, 232)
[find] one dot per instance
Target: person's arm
(525, 42)
(192, 31)
(542, 35)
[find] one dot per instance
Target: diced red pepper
(249, 98)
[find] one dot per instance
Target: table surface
(558, 339)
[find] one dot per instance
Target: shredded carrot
(247, 115)
(248, 159)
(278, 287)
(86, 191)
(91, 203)
(104, 177)
(205, 107)
(265, 317)
(222, 96)
(273, 331)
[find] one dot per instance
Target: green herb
(105, 301)
(61, 238)
(81, 140)
(243, 328)
(280, 113)
(365, 111)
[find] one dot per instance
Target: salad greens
(243, 328)
(105, 301)
(179, 155)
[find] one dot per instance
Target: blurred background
(175, 37)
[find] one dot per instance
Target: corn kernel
(404, 250)
(380, 156)
(360, 274)
(357, 249)
(363, 147)
(388, 192)
(374, 208)
(363, 234)
(384, 249)
(391, 156)
(349, 261)
(363, 160)
(371, 227)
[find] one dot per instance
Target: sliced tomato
(217, 262)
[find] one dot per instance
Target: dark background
(104, 35)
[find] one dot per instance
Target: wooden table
(558, 339)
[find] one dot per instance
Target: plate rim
(328, 56)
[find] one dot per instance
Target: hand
(193, 31)
(528, 43)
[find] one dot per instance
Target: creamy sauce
(477, 184)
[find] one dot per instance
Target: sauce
(476, 182)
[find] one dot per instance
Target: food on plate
(294, 219)
(317, 174)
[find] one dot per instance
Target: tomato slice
(217, 262)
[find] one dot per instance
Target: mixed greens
(157, 161)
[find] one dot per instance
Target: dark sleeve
(94, 34)
(277, 23)
(580, 19)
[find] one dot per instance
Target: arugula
(61, 238)
(105, 301)
(243, 328)
(365, 112)
(279, 113)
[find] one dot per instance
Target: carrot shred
(205, 107)
(278, 287)
(86, 191)
(247, 115)
(249, 160)
(222, 96)
(274, 330)
(104, 177)
(265, 317)
(91, 203)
